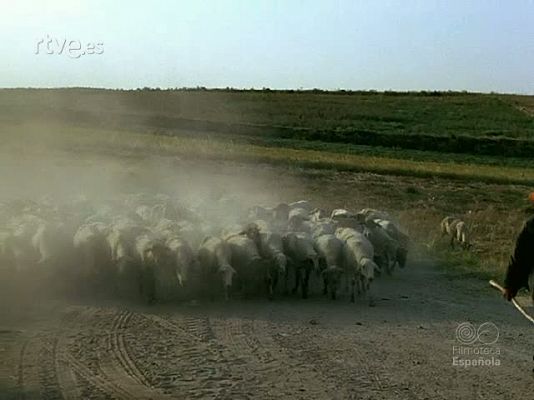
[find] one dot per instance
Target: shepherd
(520, 271)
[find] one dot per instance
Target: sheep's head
(252, 231)
(368, 268)
(157, 253)
(227, 272)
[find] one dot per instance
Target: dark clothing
(522, 261)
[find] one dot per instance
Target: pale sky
(475, 45)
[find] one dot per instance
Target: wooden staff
(514, 301)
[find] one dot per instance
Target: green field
(467, 123)
(437, 113)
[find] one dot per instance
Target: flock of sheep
(156, 248)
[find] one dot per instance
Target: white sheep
(94, 253)
(457, 230)
(359, 265)
(330, 250)
(214, 256)
(299, 248)
(252, 269)
(305, 204)
(184, 258)
(158, 276)
(402, 239)
(385, 247)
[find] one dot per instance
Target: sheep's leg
(387, 261)
(363, 287)
(297, 280)
(286, 279)
(226, 289)
(370, 298)
(148, 288)
(274, 281)
(270, 287)
(325, 284)
(452, 242)
(305, 282)
(352, 289)
(348, 276)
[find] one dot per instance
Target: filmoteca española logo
(477, 345)
(486, 333)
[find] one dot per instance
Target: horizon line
(267, 89)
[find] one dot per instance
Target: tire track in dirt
(344, 365)
(262, 360)
(119, 369)
(66, 364)
(202, 367)
(98, 381)
(66, 378)
(29, 371)
(120, 350)
(349, 363)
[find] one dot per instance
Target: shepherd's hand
(509, 294)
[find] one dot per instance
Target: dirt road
(304, 349)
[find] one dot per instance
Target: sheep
(19, 244)
(155, 243)
(167, 226)
(214, 257)
(345, 233)
(304, 204)
(94, 253)
(385, 247)
(298, 212)
(318, 214)
(462, 235)
(341, 213)
(302, 257)
(158, 280)
(263, 226)
(457, 230)
(184, 259)
(359, 262)
(51, 243)
(403, 239)
(323, 227)
(193, 233)
(252, 269)
(281, 213)
(330, 251)
(121, 240)
(272, 247)
(346, 219)
(371, 213)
